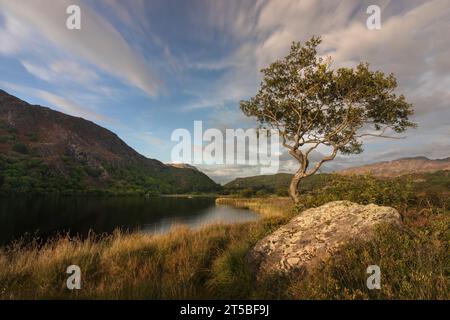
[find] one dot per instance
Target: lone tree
(312, 105)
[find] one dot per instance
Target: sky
(143, 68)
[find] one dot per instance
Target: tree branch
(325, 159)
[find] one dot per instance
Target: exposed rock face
(400, 167)
(315, 234)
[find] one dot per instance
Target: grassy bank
(273, 207)
(414, 259)
(210, 262)
(181, 264)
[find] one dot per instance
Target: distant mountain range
(395, 168)
(386, 169)
(45, 151)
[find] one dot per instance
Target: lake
(44, 217)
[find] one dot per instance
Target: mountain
(277, 183)
(405, 166)
(395, 168)
(45, 151)
(268, 182)
(182, 165)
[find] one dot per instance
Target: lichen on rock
(316, 234)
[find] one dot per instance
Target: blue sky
(144, 68)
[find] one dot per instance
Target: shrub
(282, 192)
(262, 193)
(246, 193)
(20, 148)
(7, 138)
(364, 190)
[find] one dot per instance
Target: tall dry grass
(180, 264)
(268, 207)
(211, 263)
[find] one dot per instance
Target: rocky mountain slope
(42, 150)
(400, 167)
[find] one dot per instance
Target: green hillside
(43, 151)
(277, 183)
(422, 183)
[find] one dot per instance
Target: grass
(414, 260)
(413, 266)
(210, 263)
(181, 264)
(273, 207)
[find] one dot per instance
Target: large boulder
(316, 234)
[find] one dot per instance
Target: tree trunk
(293, 188)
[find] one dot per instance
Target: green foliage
(32, 136)
(266, 182)
(362, 189)
(307, 100)
(282, 192)
(413, 265)
(276, 184)
(7, 138)
(93, 172)
(261, 193)
(246, 193)
(20, 148)
(311, 104)
(231, 276)
(33, 175)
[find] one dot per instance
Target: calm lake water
(44, 217)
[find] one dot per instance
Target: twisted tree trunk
(293, 188)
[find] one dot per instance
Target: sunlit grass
(211, 262)
(183, 263)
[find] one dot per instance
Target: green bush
(20, 148)
(363, 190)
(282, 192)
(246, 193)
(262, 193)
(7, 138)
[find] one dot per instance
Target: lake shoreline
(46, 217)
(211, 263)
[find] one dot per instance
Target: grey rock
(316, 234)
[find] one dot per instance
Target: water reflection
(77, 215)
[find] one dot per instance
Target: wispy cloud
(61, 70)
(69, 107)
(12, 35)
(99, 43)
(57, 102)
(412, 43)
(209, 55)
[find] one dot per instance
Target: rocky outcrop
(316, 234)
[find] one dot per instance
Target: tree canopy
(312, 104)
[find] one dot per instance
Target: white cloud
(12, 35)
(61, 70)
(69, 107)
(57, 102)
(37, 71)
(413, 44)
(98, 42)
